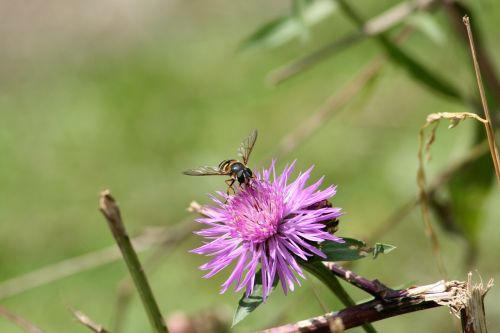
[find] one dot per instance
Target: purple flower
(267, 224)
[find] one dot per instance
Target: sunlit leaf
(427, 24)
(281, 30)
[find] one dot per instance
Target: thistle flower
(267, 224)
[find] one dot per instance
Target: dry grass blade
(489, 127)
(455, 10)
(433, 120)
(19, 321)
(86, 321)
(424, 145)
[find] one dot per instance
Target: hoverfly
(237, 170)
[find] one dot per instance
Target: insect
(237, 170)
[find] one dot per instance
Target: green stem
(111, 212)
(330, 280)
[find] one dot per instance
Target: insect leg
(230, 183)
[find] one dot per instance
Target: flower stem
(322, 273)
(111, 212)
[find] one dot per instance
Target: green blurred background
(125, 95)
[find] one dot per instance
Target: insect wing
(247, 146)
(203, 171)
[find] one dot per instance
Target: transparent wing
(247, 146)
(203, 171)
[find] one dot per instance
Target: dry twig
(86, 321)
(488, 124)
(473, 315)
(19, 321)
(463, 300)
(398, 302)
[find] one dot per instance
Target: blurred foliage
(125, 95)
(304, 15)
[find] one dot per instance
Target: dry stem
(19, 321)
(473, 315)
(441, 293)
(424, 145)
(86, 321)
(488, 125)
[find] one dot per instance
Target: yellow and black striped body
(237, 171)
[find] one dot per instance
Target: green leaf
(352, 249)
(418, 71)
(427, 24)
(298, 14)
(247, 305)
(279, 31)
(380, 248)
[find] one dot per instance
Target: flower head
(268, 224)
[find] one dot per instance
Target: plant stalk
(111, 212)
